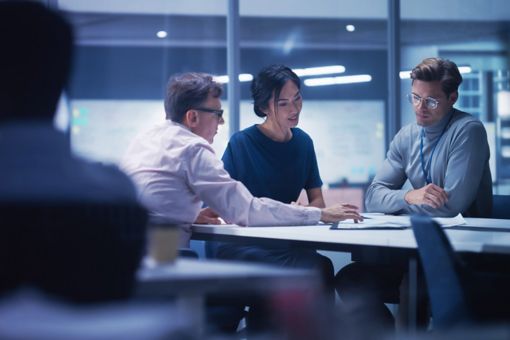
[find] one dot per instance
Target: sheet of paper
(381, 221)
(214, 225)
(375, 221)
(450, 221)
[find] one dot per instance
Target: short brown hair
(188, 90)
(436, 69)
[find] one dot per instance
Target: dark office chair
(457, 294)
(82, 252)
(501, 206)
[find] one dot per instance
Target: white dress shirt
(177, 171)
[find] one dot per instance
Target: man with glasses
(445, 155)
(445, 158)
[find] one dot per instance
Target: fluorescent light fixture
(317, 71)
(358, 78)
(161, 34)
(404, 74)
(301, 72)
(350, 28)
(462, 69)
(243, 77)
(465, 69)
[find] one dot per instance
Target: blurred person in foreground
(39, 170)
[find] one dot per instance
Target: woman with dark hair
(276, 159)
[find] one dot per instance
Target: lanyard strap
(425, 166)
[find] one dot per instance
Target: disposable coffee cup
(163, 241)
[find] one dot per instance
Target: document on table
(382, 221)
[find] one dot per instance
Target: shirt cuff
(313, 215)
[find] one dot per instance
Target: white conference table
(478, 235)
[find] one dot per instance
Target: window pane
(125, 53)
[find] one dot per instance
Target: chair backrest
(443, 274)
(84, 252)
(501, 206)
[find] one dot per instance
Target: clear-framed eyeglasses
(430, 103)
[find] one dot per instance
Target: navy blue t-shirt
(277, 170)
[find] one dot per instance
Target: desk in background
(189, 281)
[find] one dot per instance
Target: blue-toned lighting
(462, 69)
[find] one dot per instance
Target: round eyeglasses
(430, 103)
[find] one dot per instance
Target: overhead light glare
(350, 28)
(243, 77)
(317, 71)
(404, 74)
(161, 34)
(465, 69)
(359, 78)
(462, 69)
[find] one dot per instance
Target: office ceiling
(134, 30)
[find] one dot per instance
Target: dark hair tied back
(270, 79)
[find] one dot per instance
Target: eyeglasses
(218, 113)
(430, 103)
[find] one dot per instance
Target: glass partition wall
(126, 51)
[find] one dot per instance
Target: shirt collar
(436, 129)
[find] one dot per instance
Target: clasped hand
(431, 195)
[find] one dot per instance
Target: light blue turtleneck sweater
(460, 165)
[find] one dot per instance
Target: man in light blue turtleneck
(444, 155)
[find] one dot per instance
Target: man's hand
(340, 212)
(207, 216)
(430, 195)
